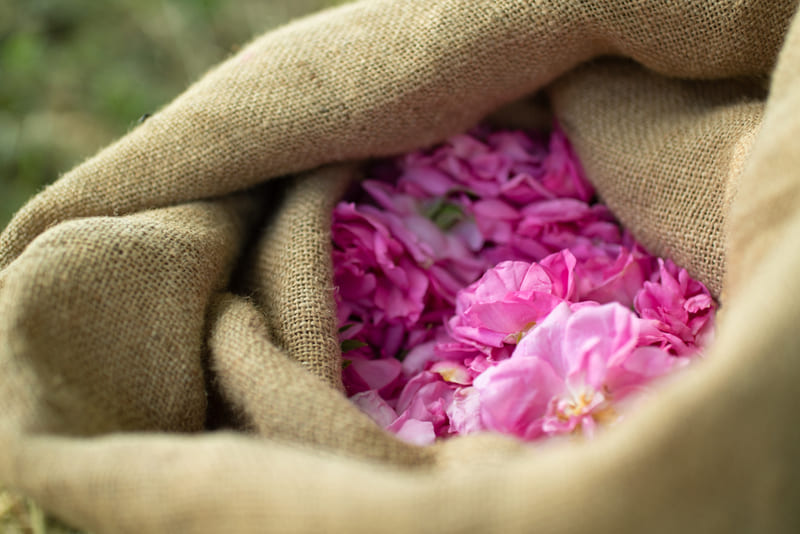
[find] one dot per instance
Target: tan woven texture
(168, 352)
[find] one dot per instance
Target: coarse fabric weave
(168, 350)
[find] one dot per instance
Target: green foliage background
(77, 74)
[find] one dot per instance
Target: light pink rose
(569, 372)
(509, 299)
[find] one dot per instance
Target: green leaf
(352, 344)
(445, 214)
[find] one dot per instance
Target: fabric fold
(102, 319)
(667, 167)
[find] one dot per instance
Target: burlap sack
(154, 294)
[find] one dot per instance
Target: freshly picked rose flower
(679, 308)
(481, 288)
(569, 373)
(510, 299)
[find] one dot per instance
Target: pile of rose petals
(481, 287)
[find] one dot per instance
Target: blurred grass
(22, 516)
(77, 74)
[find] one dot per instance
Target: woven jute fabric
(168, 348)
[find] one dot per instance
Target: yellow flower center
(525, 329)
(603, 413)
(449, 375)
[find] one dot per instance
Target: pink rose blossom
(679, 310)
(374, 274)
(568, 373)
(509, 299)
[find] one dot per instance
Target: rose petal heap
(481, 287)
